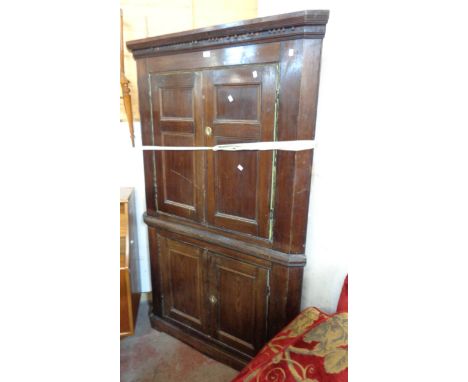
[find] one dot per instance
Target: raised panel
(236, 308)
(236, 182)
(183, 269)
(186, 284)
(240, 309)
(237, 102)
(176, 102)
(178, 172)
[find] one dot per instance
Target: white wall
(131, 175)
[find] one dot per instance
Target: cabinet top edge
(250, 30)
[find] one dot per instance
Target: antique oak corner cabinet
(227, 229)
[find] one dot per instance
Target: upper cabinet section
(250, 81)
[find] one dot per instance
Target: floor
(150, 355)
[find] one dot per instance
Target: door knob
(213, 299)
(208, 131)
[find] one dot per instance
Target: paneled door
(183, 273)
(238, 298)
(239, 106)
(176, 114)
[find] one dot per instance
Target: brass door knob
(213, 299)
(208, 131)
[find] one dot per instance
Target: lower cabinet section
(223, 298)
(218, 299)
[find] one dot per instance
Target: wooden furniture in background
(227, 229)
(127, 99)
(129, 280)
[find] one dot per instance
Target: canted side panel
(146, 133)
(299, 80)
(285, 296)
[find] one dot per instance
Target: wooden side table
(129, 280)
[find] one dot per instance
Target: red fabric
(343, 301)
(313, 347)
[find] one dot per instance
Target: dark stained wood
(218, 296)
(239, 183)
(155, 271)
(239, 303)
(285, 297)
(239, 103)
(288, 110)
(295, 25)
(179, 189)
(227, 229)
(227, 242)
(305, 130)
(146, 135)
(228, 56)
(183, 283)
(202, 343)
(211, 229)
(296, 120)
(226, 251)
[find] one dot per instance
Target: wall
(209, 12)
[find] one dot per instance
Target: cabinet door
(183, 274)
(176, 115)
(238, 299)
(240, 107)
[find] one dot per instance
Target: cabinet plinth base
(195, 340)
